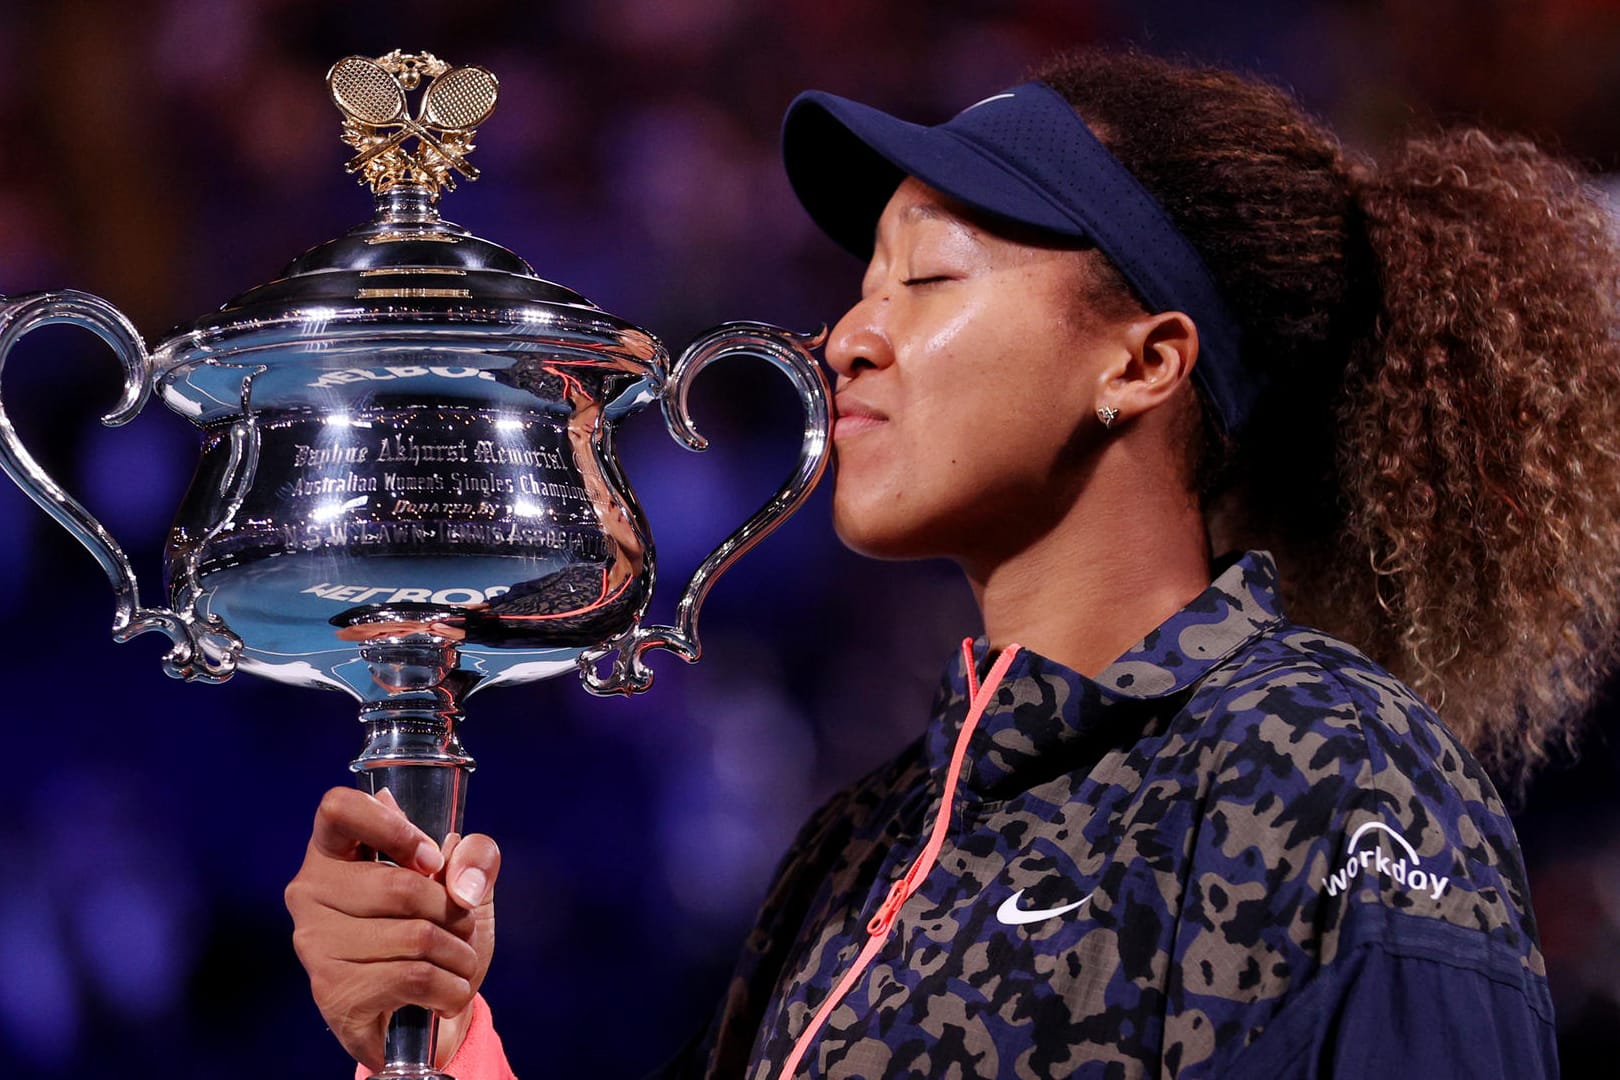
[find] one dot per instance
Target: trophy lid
(407, 252)
(407, 272)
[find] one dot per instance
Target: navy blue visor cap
(1026, 157)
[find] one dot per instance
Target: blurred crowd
(167, 154)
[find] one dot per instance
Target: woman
(1113, 321)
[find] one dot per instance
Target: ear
(1157, 359)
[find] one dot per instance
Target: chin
(877, 538)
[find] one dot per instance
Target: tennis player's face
(967, 379)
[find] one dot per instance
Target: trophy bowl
(407, 488)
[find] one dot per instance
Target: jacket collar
(1047, 720)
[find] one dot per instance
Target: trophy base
(410, 1072)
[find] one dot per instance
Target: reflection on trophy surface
(407, 487)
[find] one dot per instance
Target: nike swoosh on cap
(1012, 915)
(986, 101)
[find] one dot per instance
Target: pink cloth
(481, 1055)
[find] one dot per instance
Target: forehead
(917, 214)
(914, 203)
(915, 206)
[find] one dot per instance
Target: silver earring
(1107, 414)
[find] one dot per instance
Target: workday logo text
(1404, 867)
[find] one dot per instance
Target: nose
(859, 341)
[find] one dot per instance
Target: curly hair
(1437, 466)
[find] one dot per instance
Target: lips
(854, 417)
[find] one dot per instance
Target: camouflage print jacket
(1243, 850)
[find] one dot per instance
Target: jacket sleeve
(1393, 1010)
(481, 1055)
(1414, 1016)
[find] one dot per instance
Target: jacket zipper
(878, 927)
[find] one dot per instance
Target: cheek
(953, 345)
(986, 410)
(887, 485)
(921, 492)
(865, 515)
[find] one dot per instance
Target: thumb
(474, 864)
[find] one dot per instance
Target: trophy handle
(789, 352)
(192, 655)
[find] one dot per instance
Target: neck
(1126, 556)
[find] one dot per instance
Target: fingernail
(470, 887)
(428, 857)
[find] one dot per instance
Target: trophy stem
(413, 751)
(408, 204)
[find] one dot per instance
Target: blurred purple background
(167, 155)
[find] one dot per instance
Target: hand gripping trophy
(407, 488)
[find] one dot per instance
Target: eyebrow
(928, 211)
(932, 212)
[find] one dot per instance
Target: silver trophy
(408, 488)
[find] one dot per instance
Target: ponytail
(1438, 472)
(1479, 439)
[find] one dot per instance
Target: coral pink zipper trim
(878, 927)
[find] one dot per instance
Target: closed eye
(932, 280)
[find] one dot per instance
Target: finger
(472, 867)
(349, 820)
(386, 797)
(391, 984)
(368, 941)
(367, 890)
(366, 1045)
(447, 849)
(452, 1033)
(360, 998)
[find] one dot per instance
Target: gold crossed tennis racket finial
(377, 121)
